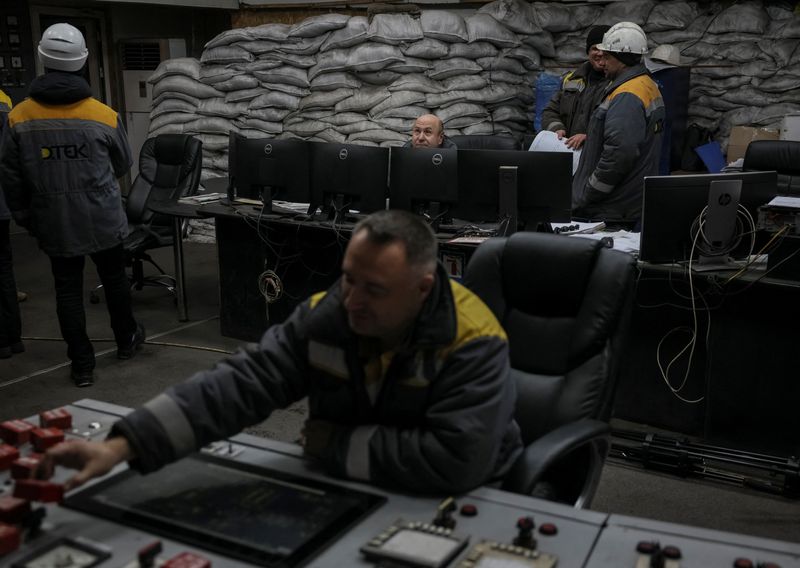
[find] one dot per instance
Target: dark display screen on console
(248, 512)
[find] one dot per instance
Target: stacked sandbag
(745, 60)
(364, 80)
(348, 79)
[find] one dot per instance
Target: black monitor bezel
(372, 186)
(85, 501)
(245, 157)
(670, 205)
(411, 183)
(544, 182)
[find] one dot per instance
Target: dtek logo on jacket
(65, 152)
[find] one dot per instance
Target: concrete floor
(39, 379)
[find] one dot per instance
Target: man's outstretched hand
(91, 459)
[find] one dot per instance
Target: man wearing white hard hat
(624, 136)
(62, 152)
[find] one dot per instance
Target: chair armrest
(539, 455)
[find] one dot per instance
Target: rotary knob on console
(524, 538)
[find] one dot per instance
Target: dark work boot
(129, 350)
(82, 378)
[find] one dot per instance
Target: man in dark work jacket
(62, 153)
(567, 114)
(406, 372)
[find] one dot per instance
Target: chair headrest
(167, 159)
(782, 156)
(485, 142)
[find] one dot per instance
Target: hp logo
(725, 199)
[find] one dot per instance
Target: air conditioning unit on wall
(139, 59)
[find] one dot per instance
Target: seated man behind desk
(623, 142)
(406, 371)
(428, 132)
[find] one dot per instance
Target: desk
(305, 255)
(569, 536)
(744, 372)
(178, 212)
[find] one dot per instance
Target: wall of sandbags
(338, 77)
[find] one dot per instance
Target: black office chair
(485, 142)
(783, 156)
(169, 168)
(565, 303)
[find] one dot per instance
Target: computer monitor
(671, 204)
(425, 181)
(347, 177)
(265, 169)
(543, 186)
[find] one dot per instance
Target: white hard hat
(667, 53)
(624, 37)
(63, 48)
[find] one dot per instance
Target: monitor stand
(719, 225)
(507, 199)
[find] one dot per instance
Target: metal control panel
(486, 527)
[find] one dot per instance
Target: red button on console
(548, 529)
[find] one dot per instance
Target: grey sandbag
(306, 128)
(461, 109)
(482, 27)
(318, 25)
(304, 45)
(228, 37)
(269, 114)
(378, 136)
(268, 127)
(416, 82)
(382, 78)
(444, 25)
(212, 74)
(344, 118)
(294, 59)
(329, 62)
(747, 17)
(293, 90)
(167, 95)
(260, 46)
(426, 48)
(541, 42)
(226, 54)
(452, 67)
(275, 99)
(244, 94)
(324, 99)
(373, 57)
(411, 65)
(218, 107)
(213, 142)
(501, 64)
(529, 57)
(410, 112)
(285, 74)
(670, 16)
(635, 11)
(188, 66)
(499, 76)
(353, 33)
(552, 16)
(398, 99)
(168, 105)
(171, 118)
(171, 128)
(516, 15)
(185, 85)
(332, 81)
(473, 50)
(394, 29)
(210, 125)
(237, 83)
(362, 100)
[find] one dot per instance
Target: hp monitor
(672, 205)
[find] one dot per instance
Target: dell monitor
(672, 206)
(542, 181)
(266, 169)
(425, 181)
(347, 177)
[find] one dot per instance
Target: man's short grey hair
(384, 227)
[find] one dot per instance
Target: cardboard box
(741, 136)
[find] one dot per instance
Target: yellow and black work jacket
(5, 107)
(623, 145)
(61, 155)
(441, 421)
(570, 108)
